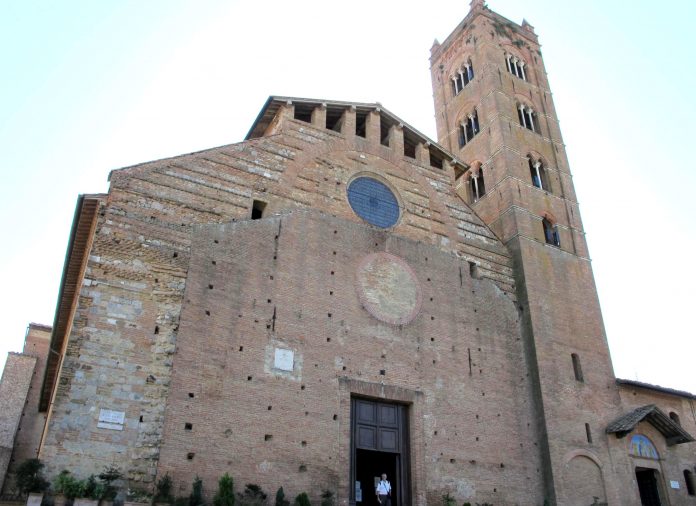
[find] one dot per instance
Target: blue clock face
(374, 202)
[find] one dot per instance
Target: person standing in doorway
(384, 491)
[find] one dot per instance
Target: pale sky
(88, 87)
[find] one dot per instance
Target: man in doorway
(384, 491)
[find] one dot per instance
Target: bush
(252, 496)
(30, 478)
(448, 500)
(225, 492)
(163, 491)
(280, 499)
(302, 500)
(138, 495)
(109, 475)
(196, 497)
(67, 485)
(327, 498)
(92, 489)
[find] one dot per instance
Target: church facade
(339, 296)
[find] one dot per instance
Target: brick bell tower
(494, 110)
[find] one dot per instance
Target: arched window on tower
(538, 173)
(516, 66)
(527, 117)
(468, 128)
(462, 77)
(551, 233)
(478, 184)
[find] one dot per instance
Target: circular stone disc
(388, 288)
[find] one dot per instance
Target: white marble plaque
(109, 419)
(284, 359)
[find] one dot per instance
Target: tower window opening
(468, 129)
(334, 119)
(478, 185)
(528, 118)
(462, 77)
(257, 209)
(303, 112)
(689, 479)
(588, 433)
(538, 174)
(361, 123)
(551, 234)
(675, 418)
(577, 369)
(516, 66)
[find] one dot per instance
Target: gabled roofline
(655, 388)
(672, 431)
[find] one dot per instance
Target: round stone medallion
(388, 288)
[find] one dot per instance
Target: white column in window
(456, 88)
(516, 70)
(524, 76)
(537, 165)
(461, 76)
(476, 188)
(530, 111)
(523, 115)
(507, 61)
(473, 125)
(468, 72)
(466, 137)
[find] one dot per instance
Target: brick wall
(14, 387)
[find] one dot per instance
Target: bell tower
(495, 112)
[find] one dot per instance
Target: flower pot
(59, 500)
(35, 499)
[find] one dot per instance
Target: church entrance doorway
(379, 444)
(647, 486)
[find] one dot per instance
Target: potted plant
(137, 497)
(225, 492)
(66, 486)
(163, 491)
(30, 481)
(107, 478)
(91, 493)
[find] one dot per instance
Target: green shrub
(280, 499)
(30, 478)
(181, 501)
(196, 497)
(252, 496)
(67, 485)
(225, 492)
(138, 495)
(163, 492)
(302, 500)
(109, 475)
(448, 500)
(327, 498)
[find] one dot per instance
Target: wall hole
(257, 209)
(382, 372)
(303, 468)
(188, 426)
(268, 437)
(270, 408)
(191, 395)
(214, 262)
(207, 313)
(156, 329)
(248, 378)
(190, 455)
(210, 287)
(335, 417)
(241, 348)
(304, 443)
